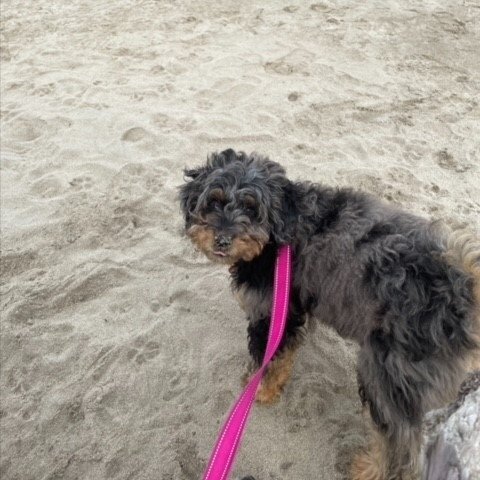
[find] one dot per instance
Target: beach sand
(122, 348)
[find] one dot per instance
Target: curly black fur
(374, 273)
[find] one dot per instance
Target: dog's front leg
(281, 366)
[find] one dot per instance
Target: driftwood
(452, 437)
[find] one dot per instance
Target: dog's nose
(223, 241)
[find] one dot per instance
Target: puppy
(406, 289)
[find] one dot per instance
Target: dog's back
(426, 341)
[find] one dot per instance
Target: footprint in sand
(16, 262)
(47, 187)
(43, 90)
(135, 134)
(134, 183)
(450, 24)
(306, 401)
(222, 400)
(179, 382)
(447, 161)
(186, 124)
(83, 182)
(162, 121)
(116, 465)
(74, 410)
(24, 129)
(187, 456)
(204, 104)
(48, 298)
(297, 61)
(143, 351)
(319, 7)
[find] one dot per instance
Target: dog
(406, 289)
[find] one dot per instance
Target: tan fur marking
(366, 466)
(370, 463)
(202, 237)
(373, 462)
(246, 248)
(278, 374)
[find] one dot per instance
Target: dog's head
(234, 205)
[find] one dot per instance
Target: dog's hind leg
(372, 462)
(387, 457)
(396, 400)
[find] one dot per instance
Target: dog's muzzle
(223, 242)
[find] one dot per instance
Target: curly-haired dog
(406, 290)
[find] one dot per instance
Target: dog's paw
(268, 394)
(276, 377)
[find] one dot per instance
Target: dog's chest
(254, 302)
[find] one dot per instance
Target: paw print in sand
(143, 351)
(83, 182)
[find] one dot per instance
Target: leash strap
(224, 453)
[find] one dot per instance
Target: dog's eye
(250, 206)
(215, 204)
(250, 210)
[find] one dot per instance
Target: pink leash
(224, 453)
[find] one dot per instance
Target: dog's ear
(220, 160)
(283, 215)
(281, 194)
(193, 172)
(191, 190)
(231, 155)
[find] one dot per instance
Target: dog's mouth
(221, 256)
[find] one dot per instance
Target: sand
(122, 348)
